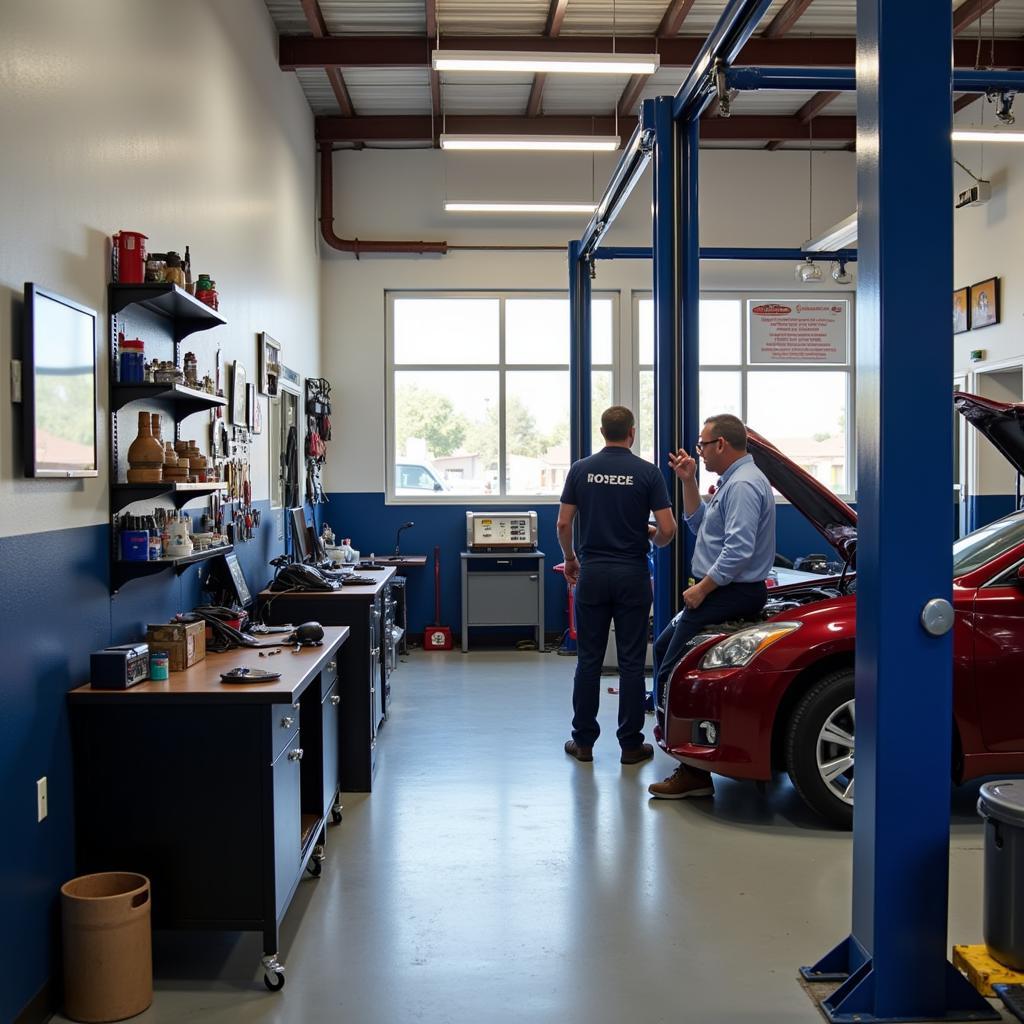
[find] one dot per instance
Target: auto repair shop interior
(306, 309)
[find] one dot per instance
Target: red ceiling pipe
(354, 245)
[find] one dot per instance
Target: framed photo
(250, 405)
(961, 310)
(238, 406)
(257, 418)
(270, 364)
(985, 303)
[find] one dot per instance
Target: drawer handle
(332, 666)
(295, 755)
(534, 576)
(374, 651)
(504, 561)
(335, 699)
(287, 722)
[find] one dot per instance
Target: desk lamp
(398, 535)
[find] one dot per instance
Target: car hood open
(1001, 422)
(828, 514)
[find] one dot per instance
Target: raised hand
(683, 465)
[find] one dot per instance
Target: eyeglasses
(701, 445)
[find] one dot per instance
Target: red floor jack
(568, 644)
(437, 637)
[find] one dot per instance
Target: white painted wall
(172, 119)
(747, 199)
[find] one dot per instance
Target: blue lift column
(579, 354)
(895, 960)
(666, 348)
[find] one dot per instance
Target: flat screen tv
(59, 386)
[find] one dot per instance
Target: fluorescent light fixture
(986, 135)
(557, 63)
(549, 143)
(840, 236)
(484, 207)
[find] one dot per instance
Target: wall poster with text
(802, 332)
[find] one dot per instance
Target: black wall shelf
(167, 300)
(185, 400)
(121, 571)
(123, 495)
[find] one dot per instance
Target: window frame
(744, 367)
(501, 367)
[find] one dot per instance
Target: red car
(750, 699)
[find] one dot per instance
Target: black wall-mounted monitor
(300, 535)
(237, 579)
(59, 386)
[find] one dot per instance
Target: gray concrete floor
(490, 877)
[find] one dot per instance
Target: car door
(999, 659)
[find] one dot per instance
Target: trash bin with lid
(1001, 804)
(108, 947)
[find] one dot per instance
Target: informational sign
(800, 332)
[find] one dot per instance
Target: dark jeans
(606, 593)
(733, 601)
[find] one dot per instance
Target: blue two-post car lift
(892, 966)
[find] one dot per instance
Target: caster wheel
(315, 868)
(274, 982)
(336, 817)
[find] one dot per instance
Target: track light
(557, 63)
(538, 143)
(839, 274)
(808, 272)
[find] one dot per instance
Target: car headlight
(741, 648)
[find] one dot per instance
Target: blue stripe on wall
(56, 607)
(371, 523)
(983, 509)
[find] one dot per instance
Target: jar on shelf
(174, 273)
(131, 367)
(191, 369)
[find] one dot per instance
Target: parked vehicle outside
(416, 479)
(747, 700)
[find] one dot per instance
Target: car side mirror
(438, 487)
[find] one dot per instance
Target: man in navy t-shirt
(613, 492)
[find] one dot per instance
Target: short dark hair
(616, 423)
(730, 428)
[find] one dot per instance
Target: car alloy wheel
(835, 751)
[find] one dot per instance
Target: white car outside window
(414, 479)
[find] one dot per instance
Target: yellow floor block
(982, 971)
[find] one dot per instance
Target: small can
(159, 665)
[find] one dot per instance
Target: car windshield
(980, 547)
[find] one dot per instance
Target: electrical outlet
(42, 804)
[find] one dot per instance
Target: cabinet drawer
(331, 726)
(284, 727)
(287, 823)
(503, 599)
(500, 564)
(329, 675)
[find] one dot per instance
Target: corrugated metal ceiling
(393, 91)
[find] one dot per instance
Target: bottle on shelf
(187, 267)
(146, 455)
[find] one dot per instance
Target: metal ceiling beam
(815, 105)
(969, 12)
(317, 25)
(556, 15)
(673, 18)
(630, 95)
(414, 52)
(417, 128)
(787, 17)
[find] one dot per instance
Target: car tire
(819, 743)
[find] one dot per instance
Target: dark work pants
(608, 592)
(733, 601)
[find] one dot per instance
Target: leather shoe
(573, 749)
(642, 753)
(682, 783)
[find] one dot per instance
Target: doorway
(994, 483)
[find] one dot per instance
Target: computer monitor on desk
(300, 535)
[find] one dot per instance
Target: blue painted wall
(983, 509)
(56, 607)
(371, 524)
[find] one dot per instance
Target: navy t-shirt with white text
(614, 492)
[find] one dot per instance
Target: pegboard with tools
(233, 511)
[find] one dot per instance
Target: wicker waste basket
(108, 948)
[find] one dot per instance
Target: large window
(478, 399)
(783, 365)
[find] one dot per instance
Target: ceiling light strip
(452, 206)
(550, 63)
(986, 135)
(533, 143)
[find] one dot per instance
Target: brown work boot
(573, 749)
(642, 753)
(683, 782)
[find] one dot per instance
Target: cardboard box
(184, 642)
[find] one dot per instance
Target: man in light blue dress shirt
(732, 557)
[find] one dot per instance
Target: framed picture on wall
(250, 405)
(961, 310)
(270, 364)
(257, 416)
(985, 303)
(238, 406)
